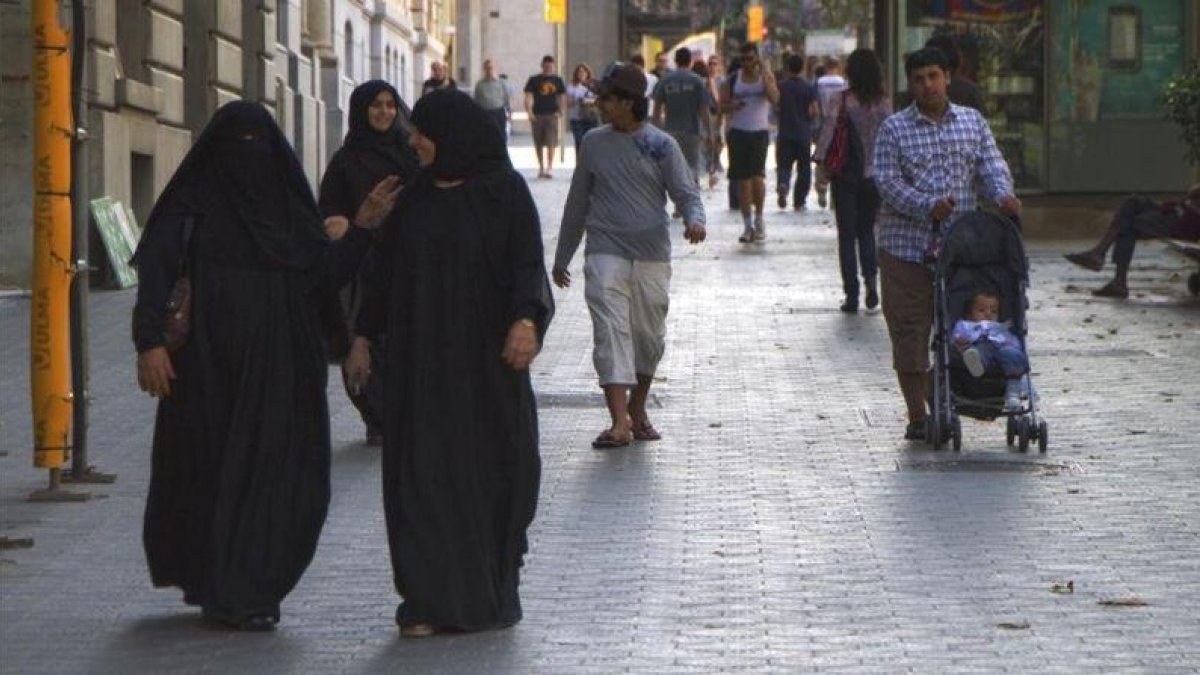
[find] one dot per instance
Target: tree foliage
(1181, 98)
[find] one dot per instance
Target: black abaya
(240, 470)
(460, 463)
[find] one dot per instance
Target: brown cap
(623, 79)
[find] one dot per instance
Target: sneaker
(973, 360)
(872, 297)
(760, 229)
(747, 235)
(1012, 396)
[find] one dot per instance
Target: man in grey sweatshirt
(625, 172)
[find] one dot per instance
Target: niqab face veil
(469, 142)
(242, 170)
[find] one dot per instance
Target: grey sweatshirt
(619, 196)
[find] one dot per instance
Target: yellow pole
(49, 346)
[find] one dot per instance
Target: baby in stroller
(983, 342)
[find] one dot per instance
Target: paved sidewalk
(780, 526)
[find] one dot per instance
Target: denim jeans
(855, 204)
(1010, 360)
(1138, 218)
(787, 153)
(578, 129)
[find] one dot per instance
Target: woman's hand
(562, 278)
(357, 368)
(521, 345)
(336, 227)
(378, 204)
(154, 372)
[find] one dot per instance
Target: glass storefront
(1002, 44)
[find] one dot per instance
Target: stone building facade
(158, 69)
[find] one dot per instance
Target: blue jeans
(855, 203)
(1138, 218)
(578, 129)
(788, 152)
(1010, 360)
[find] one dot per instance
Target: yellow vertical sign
(754, 23)
(556, 11)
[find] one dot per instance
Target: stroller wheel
(1011, 430)
(1043, 436)
(956, 433)
(1023, 434)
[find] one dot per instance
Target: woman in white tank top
(748, 95)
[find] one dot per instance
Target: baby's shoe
(1012, 396)
(973, 360)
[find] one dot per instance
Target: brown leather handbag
(178, 322)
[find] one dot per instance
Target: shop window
(1001, 48)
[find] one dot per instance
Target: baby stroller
(979, 250)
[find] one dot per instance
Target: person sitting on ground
(1139, 218)
(984, 341)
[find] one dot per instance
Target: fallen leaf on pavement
(1013, 625)
(1063, 589)
(1123, 602)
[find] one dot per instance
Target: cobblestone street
(781, 525)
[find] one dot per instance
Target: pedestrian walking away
(830, 84)
(618, 197)
(681, 97)
(747, 96)
(375, 148)
(929, 158)
(544, 103)
(581, 97)
(491, 93)
(793, 143)
(711, 134)
(465, 304)
(862, 108)
(651, 78)
(239, 482)
(1137, 219)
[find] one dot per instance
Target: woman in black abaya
(375, 148)
(240, 467)
(466, 302)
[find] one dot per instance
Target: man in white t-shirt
(829, 87)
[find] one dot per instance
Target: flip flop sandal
(645, 431)
(608, 439)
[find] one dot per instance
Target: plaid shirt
(919, 161)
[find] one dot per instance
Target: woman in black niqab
(371, 152)
(240, 466)
(466, 303)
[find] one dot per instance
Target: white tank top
(753, 114)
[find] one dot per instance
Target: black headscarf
(469, 142)
(242, 171)
(382, 153)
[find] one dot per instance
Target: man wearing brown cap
(626, 171)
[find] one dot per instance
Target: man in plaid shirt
(929, 160)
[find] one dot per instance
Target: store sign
(977, 10)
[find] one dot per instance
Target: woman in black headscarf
(240, 467)
(375, 148)
(466, 303)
